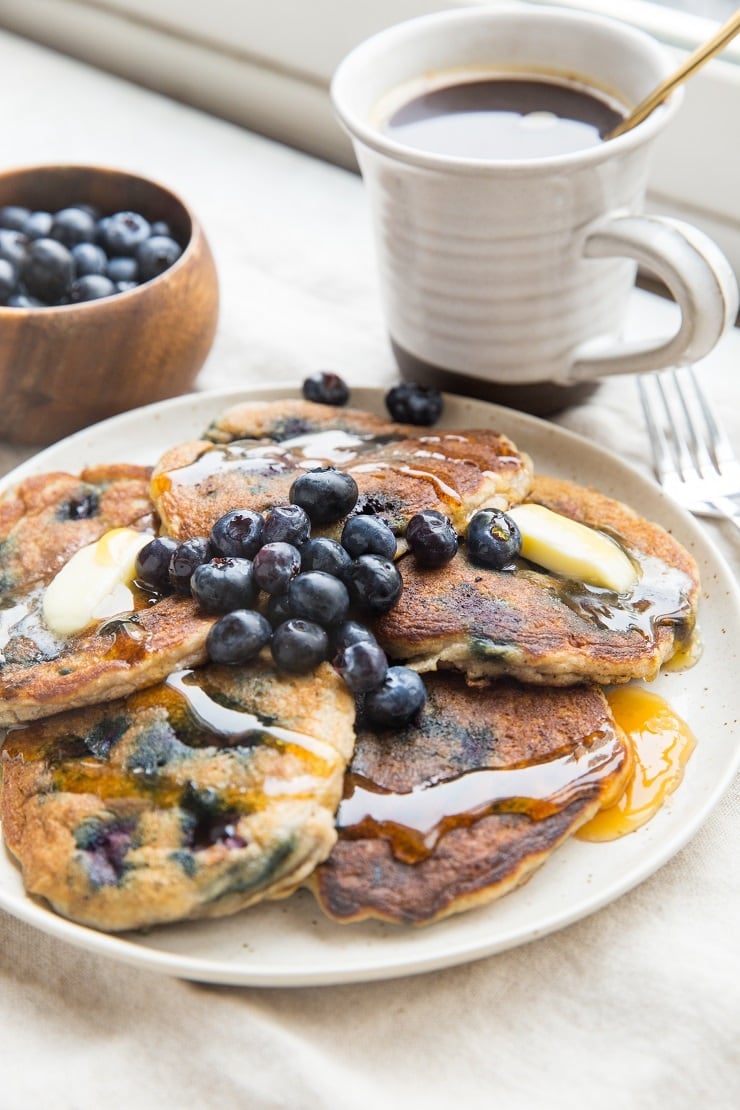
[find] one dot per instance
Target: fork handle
(698, 276)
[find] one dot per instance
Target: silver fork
(693, 458)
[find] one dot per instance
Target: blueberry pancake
(42, 674)
(399, 469)
(47, 518)
(462, 805)
(194, 798)
(540, 627)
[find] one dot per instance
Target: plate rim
(120, 947)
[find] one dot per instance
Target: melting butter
(567, 547)
(94, 583)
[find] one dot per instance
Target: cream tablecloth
(637, 1006)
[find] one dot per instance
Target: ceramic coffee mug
(509, 278)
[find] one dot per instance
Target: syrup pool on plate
(662, 744)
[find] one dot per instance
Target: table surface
(636, 1006)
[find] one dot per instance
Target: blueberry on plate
(431, 538)
(238, 637)
(224, 584)
(351, 632)
(153, 562)
(326, 494)
(185, 558)
(362, 665)
(320, 597)
(275, 566)
(368, 535)
(493, 539)
(326, 388)
(324, 554)
(287, 524)
(238, 533)
(374, 583)
(299, 646)
(409, 403)
(397, 700)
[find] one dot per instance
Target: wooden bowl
(64, 368)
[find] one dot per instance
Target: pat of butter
(94, 583)
(567, 547)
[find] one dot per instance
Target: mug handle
(698, 277)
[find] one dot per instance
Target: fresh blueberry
(238, 636)
(38, 225)
(161, 227)
(13, 216)
(368, 535)
(153, 562)
(326, 494)
(409, 403)
(22, 300)
(47, 270)
(287, 524)
(326, 388)
(224, 584)
(317, 596)
(275, 566)
(8, 278)
(363, 666)
(155, 255)
(238, 533)
(71, 226)
(185, 558)
(278, 609)
(374, 583)
(125, 286)
(123, 233)
(351, 632)
(397, 700)
(493, 539)
(324, 554)
(431, 538)
(91, 287)
(13, 246)
(89, 259)
(299, 646)
(122, 268)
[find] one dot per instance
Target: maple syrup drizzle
(662, 744)
(413, 822)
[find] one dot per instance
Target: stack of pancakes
(142, 784)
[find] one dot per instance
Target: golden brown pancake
(464, 804)
(191, 799)
(41, 674)
(399, 469)
(47, 518)
(538, 627)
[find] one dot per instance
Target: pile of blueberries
(311, 589)
(273, 583)
(77, 254)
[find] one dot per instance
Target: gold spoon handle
(713, 46)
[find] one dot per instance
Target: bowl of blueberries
(108, 298)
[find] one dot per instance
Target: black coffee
(503, 118)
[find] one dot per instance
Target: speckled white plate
(290, 943)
